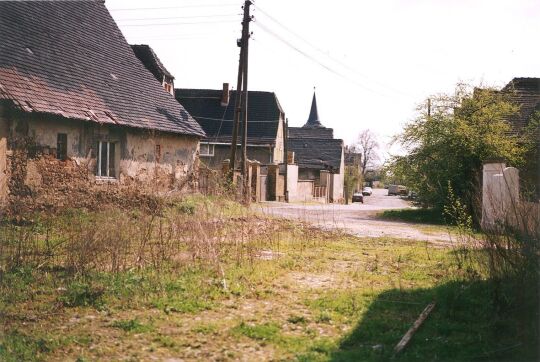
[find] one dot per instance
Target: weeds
(132, 326)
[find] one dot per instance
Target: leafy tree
(447, 146)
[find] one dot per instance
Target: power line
(180, 17)
(326, 53)
(176, 7)
(305, 54)
(182, 23)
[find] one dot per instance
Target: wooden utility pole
(286, 161)
(429, 108)
(245, 49)
(237, 110)
(241, 102)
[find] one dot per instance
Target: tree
(447, 146)
(368, 146)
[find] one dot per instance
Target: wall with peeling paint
(161, 160)
(4, 128)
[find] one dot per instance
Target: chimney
(225, 95)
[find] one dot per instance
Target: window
(207, 149)
(61, 146)
(106, 159)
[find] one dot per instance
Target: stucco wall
(292, 182)
(338, 181)
(304, 191)
(3, 150)
(137, 157)
(279, 149)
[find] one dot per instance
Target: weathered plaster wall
(137, 157)
(304, 190)
(279, 149)
(338, 181)
(292, 182)
(141, 160)
(4, 128)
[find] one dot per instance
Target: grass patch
(16, 346)
(82, 294)
(132, 326)
(226, 290)
(417, 216)
(261, 332)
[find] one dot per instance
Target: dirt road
(359, 219)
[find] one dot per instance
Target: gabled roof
(204, 105)
(318, 154)
(313, 119)
(69, 58)
(151, 61)
(525, 92)
(302, 132)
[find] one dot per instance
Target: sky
(372, 62)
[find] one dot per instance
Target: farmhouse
(73, 93)
(214, 110)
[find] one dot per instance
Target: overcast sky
(372, 62)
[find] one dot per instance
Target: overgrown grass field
(205, 280)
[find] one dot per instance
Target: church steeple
(313, 120)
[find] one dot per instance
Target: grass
(418, 216)
(320, 297)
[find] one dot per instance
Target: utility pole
(286, 153)
(429, 108)
(237, 110)
(241, 102)
(245, 48)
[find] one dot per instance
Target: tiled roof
(526, 93)
(316, 153)
(301, 132)
(70, 59)
(217, 121)
(151, 61)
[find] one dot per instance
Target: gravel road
(359, 219)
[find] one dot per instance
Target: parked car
(367, 191)
(397, 190)
(393, 190)
(358, 197)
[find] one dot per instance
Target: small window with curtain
(106, 152)
(61, 146)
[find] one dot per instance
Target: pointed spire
(313, 120)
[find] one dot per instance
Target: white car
(367, 191)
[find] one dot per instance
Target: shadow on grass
(417, 216)
(466, 325)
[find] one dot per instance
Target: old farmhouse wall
(159, 161)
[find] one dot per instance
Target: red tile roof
(70, 59)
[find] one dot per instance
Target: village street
(359, 219)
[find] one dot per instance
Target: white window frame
(99, 160)
(211, 150)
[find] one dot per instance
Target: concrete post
(255, 174)
(273, 176)
(500, 196)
